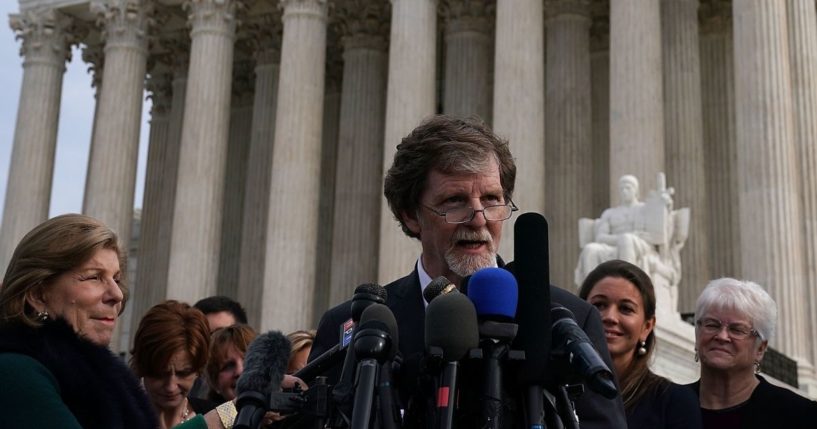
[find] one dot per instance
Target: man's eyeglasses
(737, 331)
(466, 214)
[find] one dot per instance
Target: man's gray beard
(465, 265)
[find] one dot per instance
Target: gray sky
(76, 122)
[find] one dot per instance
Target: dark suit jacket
(405, 300)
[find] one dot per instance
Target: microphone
(532, 272)
(494, 293)
(437, 287)
(375, 343)
(264, 366)
(365, 295)
(451, 331)
(583, 358)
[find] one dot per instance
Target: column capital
(213, 16)
(318, 8)
(467, 15)
(124, 23)
(46, 36)
(363, 24)
(715, 16)
(556, 8)
(265, 35)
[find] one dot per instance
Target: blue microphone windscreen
(494, 293)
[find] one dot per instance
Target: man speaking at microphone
(450, 186)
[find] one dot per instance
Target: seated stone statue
(648, 234)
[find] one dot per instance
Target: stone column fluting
(358, 185)
(600, 105)
(235, 177)
(45, 49)
(146, 291)
(194, 251)
(468, 57)
(295, 184)
(519, 102)
(159, 206)
(636, 94)
(267, 34)
(718, 111)
(770, 210)
(111, 179)
(684, 141)
(329, 167)
(410, 98)
(802, 26)
(568, 188)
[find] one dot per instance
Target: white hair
(745, 297)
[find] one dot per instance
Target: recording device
(571, 341)
(532, 273)
(375, 343)
(451, 331)
(437, 287)
(264, 366)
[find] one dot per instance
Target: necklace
(186, 413)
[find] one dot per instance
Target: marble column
(289, 275)
(568, 188)
(329, 166)
(683, 139)
(111, 179)
(718, 107)
(259, 165)
(519, 102)
(468, 62)
(180, 51)
(358, 185)
(235, 178)
(194, 249)
(410, 98)
(636, 95)
(145, 291)
(46, 47)
(767, 165)
(802, 26)
(600, 106)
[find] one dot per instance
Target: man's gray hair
(745, 297)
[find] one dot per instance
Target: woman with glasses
(734, 321)
(625, 297)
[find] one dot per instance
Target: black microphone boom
(264, 366)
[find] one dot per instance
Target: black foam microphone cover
(365, 295)
(532, 271)
(265, 364)
(451, 324)
(439, 286)
(384, 315)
